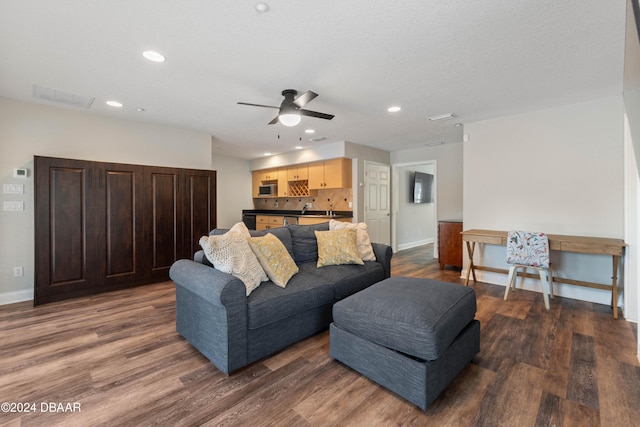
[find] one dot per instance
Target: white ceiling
(477, 59)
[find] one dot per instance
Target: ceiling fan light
(289, 119)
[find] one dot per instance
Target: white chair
(529, 250)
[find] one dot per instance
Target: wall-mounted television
(422, 189)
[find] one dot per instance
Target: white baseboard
(17, 296)
(410, 245)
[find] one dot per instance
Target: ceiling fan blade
(316, 114)
(274, 121)
(305, 98)
(257, 105)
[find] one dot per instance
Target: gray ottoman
(410, 335)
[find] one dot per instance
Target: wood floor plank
(513, 398)
(582, 385)
(118, 354)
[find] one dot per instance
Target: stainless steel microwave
(268, 190)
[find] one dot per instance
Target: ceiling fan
(291, 108)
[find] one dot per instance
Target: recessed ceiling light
(154, 56)
(309, 131)
(262, 7)
(267, 154)
(442, 117)
(114, 104)
(298, 147)
(394, 109)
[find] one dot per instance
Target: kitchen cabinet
(104, 226)
(306, 220)
(450, 243)
(270, 176)
(267, 175)
(265, 222)
(298, 172)
(334, 173)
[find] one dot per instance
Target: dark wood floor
(120, 358)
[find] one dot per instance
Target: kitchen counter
(309, 217)
(297, 213)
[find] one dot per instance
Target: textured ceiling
(477, 59)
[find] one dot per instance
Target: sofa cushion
(274, 258)
(337, 247)
(305, 245)
(348, 278)
(270, 303)
(419, 317)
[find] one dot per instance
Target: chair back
(528, 248)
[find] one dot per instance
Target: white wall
(558, 170)
(233, 189)
(31, 129)
(415, 223)
(448, 158)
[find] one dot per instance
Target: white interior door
(377, 208)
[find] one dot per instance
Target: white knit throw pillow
(231, 253)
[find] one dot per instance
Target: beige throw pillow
(337, 247)
(365, 250)
(231, 253)
(274, 258)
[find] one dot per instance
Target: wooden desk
(578, 244)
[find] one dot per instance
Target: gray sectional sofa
(232, 330)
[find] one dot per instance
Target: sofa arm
(211, 313)
(383, 255)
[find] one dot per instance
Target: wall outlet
(18, 271)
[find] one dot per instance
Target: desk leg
(471, 247)
(614, 286)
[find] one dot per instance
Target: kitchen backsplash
(339, 199)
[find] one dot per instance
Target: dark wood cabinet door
(121, 233)
(162, 227)
(65, 217)
(105, 226)
(199, 208)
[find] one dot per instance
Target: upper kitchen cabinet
(334, 173)
(270, 177)
(298, 172)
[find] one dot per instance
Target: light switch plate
(13, 206)
(13, 188)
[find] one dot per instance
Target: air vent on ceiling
(62, 97)
(317, 139)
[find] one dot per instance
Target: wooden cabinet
(334, 173)
(270, 176)
(328, 174)
(450, 243)
(267, 175)
(298, 172)
(304, 220)
(105, 226)
(265, 222)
